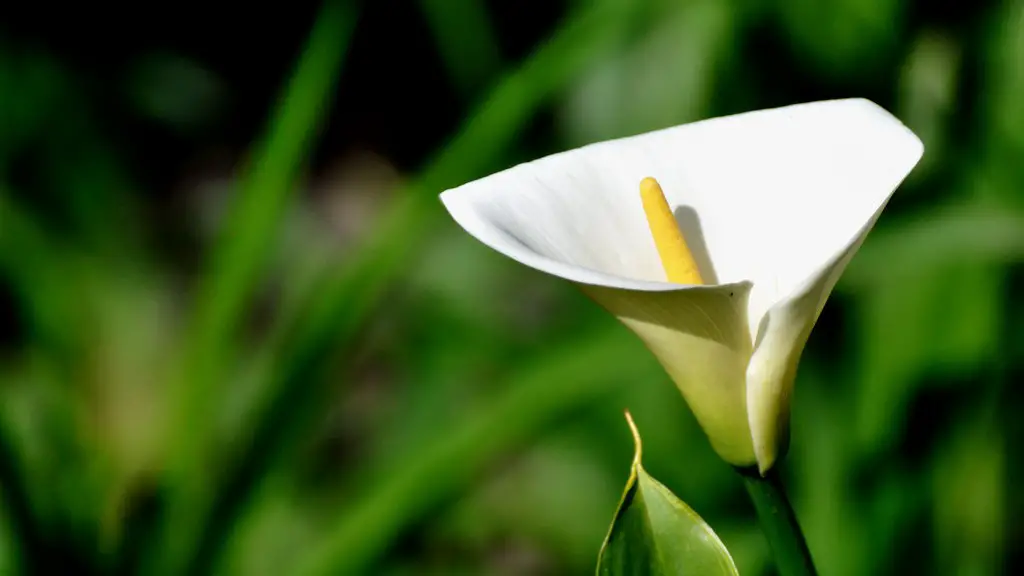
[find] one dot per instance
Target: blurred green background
(239, 334)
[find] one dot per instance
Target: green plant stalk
(778, 522)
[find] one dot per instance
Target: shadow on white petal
(702, 340)
(689, 223)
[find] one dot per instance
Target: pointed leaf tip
(638, 447)
(656, 534)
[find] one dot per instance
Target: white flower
(773, 204)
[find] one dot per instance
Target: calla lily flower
(773, 205)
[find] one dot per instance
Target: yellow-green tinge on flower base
(773, 204)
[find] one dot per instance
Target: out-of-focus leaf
(1004, 75)
(466, 40)
(176, 91)
(665, 78)
(1002, 117)
(747, 546)
(229, 279)
(931, 293)
(953, 232)
(271, 537)
(42, 478)
(545, 391)
(242, 249)
(947, 317)
(835, 528)
(31, 86)
(563, 495)
(927, 103)
(38, 271)
(969, 500)
(842, 39)
(855, 527)
(61, 162)
(656, 534)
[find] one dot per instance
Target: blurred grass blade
(37, 271)
(349, 296)
(953, 232)
(240, 253)
(543, 394)
(249, 231)
(945, 315)
(46, 280)
(24, 524)
(969, 494)
(465, 39)
(294, 399)
(656, 534)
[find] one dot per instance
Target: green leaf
(654, 533)
(943, 320)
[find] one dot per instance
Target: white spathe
(773, 204)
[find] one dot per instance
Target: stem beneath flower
(778, 522)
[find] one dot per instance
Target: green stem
(778, 522)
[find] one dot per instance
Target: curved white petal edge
(774, 204)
